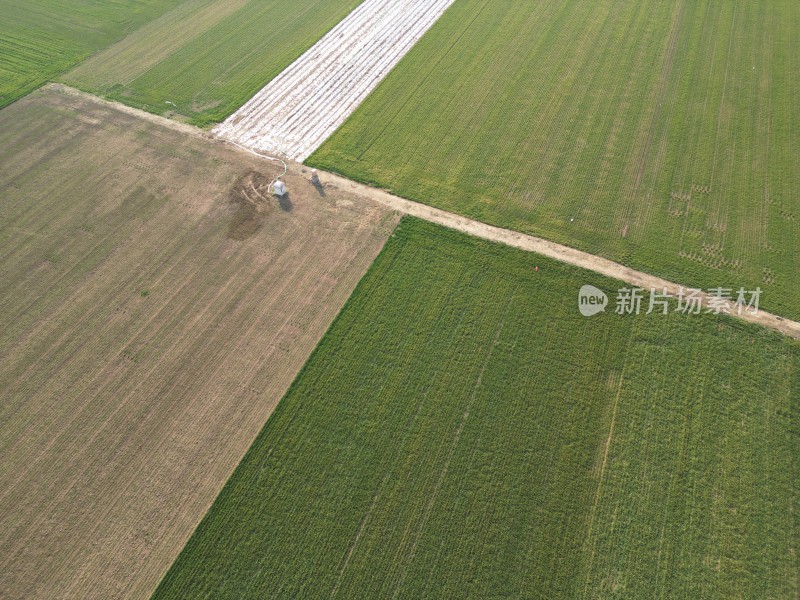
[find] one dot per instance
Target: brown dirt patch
(251, 195)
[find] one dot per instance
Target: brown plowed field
(156, 303)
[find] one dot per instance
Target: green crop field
(659, 134)
(39, 40)
(206, 58)
(462, 431)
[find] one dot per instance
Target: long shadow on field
(319, 187)
(285, 203)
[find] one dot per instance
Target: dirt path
(489, 232)
(540, 246)
(141, 114)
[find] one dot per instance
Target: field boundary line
(508, 237)
(134, 112)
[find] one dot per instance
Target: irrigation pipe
(272, 158)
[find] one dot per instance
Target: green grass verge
(659, 134)
(40, 40)
(208, 57)
(461, 431)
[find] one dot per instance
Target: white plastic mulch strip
(307, 102)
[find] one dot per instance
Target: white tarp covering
(307, 102)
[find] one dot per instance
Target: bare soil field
(156, 303)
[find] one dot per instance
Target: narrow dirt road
(540, 246)
(476, 228)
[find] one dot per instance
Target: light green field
(206, 58)
(462, 431)
(39, 40)
(659, 134)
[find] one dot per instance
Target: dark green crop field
(663, 135)
(39, 40)
(462, 431)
